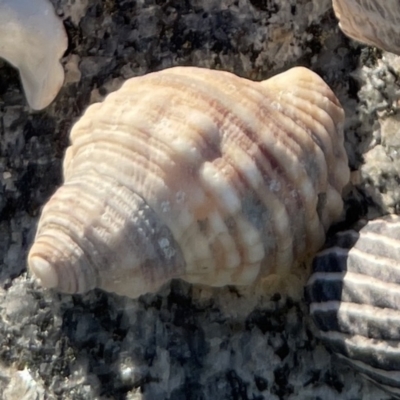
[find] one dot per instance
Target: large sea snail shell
(194, 174)
(355, 300)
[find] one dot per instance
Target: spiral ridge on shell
(194, 174)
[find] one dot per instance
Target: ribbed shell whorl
(355, 299)
(194, 174)
(374, 22)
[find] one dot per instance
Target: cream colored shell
(194, 174)
(33, 39)
(374, 22)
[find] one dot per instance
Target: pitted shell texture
(194, 174)
(355, 299)
(373, 22)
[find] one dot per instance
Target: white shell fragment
(374, 22)
(355, 299)
(194, 174)
(33, 39)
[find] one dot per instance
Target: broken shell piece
(33, 39)
(355, 299)
(194, 174)
(373, 22)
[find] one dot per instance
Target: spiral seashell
(373, 22)
(194, 174)
(355, 300)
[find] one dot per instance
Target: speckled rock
(185, 342)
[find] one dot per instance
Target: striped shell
(355, 300)
(374, 22)
(194, 174)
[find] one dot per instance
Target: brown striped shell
(355, 299)
(374, 22)
(194, 174)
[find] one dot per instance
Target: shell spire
(194, 174)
